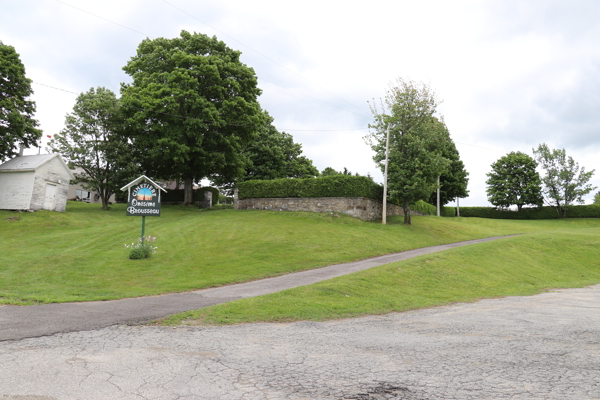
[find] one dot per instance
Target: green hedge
(587, 211)
(427, 209)
(326, 186)
(176, 195)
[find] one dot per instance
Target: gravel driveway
(538, 347)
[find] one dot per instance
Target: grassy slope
(514, 266)
(79, 255)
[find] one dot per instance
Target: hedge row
(176, 195)
(326, 186)
(428, 209)
(587, 211)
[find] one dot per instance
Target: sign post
(143, 200)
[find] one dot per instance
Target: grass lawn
(79, 255)
(522, 265)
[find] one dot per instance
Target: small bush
(141, 248)
(327, 186)
(137, 253)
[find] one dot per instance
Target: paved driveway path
(538, 347)
(18, 322)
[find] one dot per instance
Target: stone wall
(358, 207)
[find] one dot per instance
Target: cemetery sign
(143, 201)
(143, 198)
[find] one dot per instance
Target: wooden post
(438, 196)
(385, 178)
(142, 227)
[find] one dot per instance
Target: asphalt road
(18, 322)
(538, 347)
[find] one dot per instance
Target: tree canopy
(93, 140)
(273, 155)
(514, 180)
(193, 107)
(564, 182)
(17, 123)
(455, 179)
(330, 172)
(415, 158)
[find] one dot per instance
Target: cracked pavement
(537, 347)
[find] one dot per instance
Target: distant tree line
(514, 180)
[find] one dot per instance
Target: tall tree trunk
(104, 198)
(188, 190)
(407, 216)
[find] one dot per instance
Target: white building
(79, 193)
(35, 183)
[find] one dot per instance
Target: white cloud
(512, 74)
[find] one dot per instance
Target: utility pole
(438, 196)
(385, 178)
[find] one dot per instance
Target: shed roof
(31, 163)
(141, 178)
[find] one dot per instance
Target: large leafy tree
(514, 180)
(94, 140)
(274, 155)
(455, 179)
(415, 159)
(193, 107)
(17, 124)
(564, 182)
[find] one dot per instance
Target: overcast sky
(511, 74)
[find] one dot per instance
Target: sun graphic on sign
(144, 194)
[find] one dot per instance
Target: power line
(309, 96)
(102, 18)
(146, 35)
(264, 56)
(210, 122)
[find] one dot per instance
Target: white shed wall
(52, 172)
(15, 190)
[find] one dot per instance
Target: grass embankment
(80, 256)
(522, 265)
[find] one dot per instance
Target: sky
(511, 74)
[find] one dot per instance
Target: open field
(80, 256)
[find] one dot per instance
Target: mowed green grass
(521, 265)
(80, 255)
